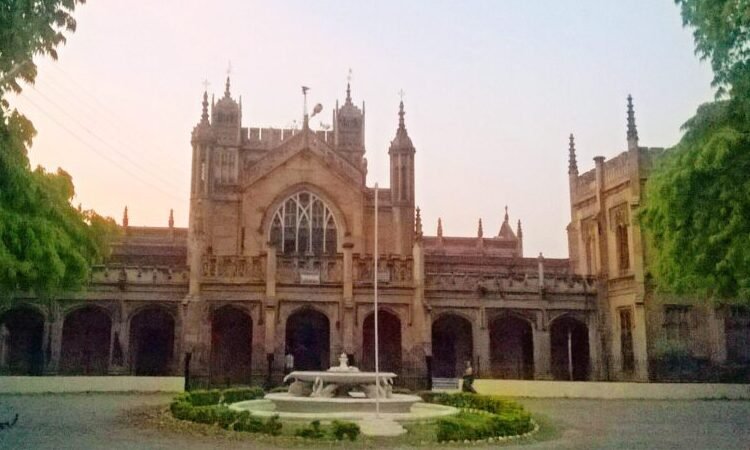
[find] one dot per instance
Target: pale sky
(492, 91)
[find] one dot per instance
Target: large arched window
(303, 224)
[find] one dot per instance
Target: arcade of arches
(90, 344)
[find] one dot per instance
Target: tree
(697, 212)
(46, 244)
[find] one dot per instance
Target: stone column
(717, 337)
(4, 336)
(347, 307)
(52, 344)
(270, 312)
(482, 352)
(640, 351)
(595, 353)
(118, 354)
(541, 354)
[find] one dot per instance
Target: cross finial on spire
(125, 217)
(205, 84)
(632, 130)
(480, 232)
(440, 228)
(572, 164)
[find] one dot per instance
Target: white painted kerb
(60, 384)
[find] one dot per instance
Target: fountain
(343, 391)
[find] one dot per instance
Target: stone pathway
(380, 427)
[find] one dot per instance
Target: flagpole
(375, 284)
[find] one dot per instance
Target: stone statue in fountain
(343, 365)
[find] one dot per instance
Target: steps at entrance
(445, 384)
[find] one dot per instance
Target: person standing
(468, 384)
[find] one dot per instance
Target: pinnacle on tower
(418, 223)
(171, 218)
(572, 163)
(401, 114)
(226, 89)
(632, 130)
(519, 231)
(480, 232)
(506, 213)
(204, 115)
(440, 228)
(125, 217)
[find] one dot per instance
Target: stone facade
(276, 269)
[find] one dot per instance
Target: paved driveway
(81, 421)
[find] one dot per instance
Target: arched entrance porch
(85, 342)
(152, 341)
(452, 346)
(511, 348)
(569, 345)
(308, 339)
(231, 346)
(389, 342)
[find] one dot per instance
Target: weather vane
(229, 67)
(349, 76)
(205, 84)
(401, 94)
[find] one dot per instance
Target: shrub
(181, 410)
(472, 426)
(272, 426)
(241, 394)
(205, 398)
(489, 403)
(343, 429)
(205, 414)
(247, 423)
(312, 431)
(226, 417)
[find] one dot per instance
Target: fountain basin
(396, 403)
(419, 411)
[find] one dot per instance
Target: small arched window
(304, 225)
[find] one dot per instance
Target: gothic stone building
(278, 260)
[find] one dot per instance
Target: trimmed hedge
(343, 429)
(241, 394)
(209, 407)
(501, 417)
(338, 430)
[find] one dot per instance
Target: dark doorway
(85, 342)
(389, 342)
(152, 342)
(231, 346)
(22, 353)
(569, 340)
(308, 340)
(452, 346)
(511, 348)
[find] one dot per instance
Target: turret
(349, 129)
(401, 154)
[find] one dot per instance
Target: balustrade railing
(233, 267)
(309, 269)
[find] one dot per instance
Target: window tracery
(304, 224)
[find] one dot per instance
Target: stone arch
(511, 347)
(342, 225)
(86, 339)
(21, 341)
(308, 339)
(152, 334)
(231, 345)
(389, 340)
(569, 348)
(452, 345)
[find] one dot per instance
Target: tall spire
(480, 232)
(519, 231)
(632, 130)
(506, 213)
(440, 228)
(572, 163)
(349, 87)
(227, 94)
(125, 217)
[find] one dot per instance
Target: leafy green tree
(697, 212)
(46, 244)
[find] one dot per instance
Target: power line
(102, 154)
(101, 106)
(100, 139)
